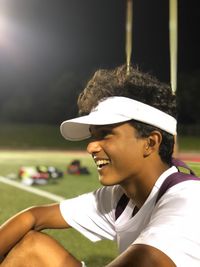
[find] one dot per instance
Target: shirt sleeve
(174, 227)
(91, 214)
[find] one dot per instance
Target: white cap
(117, 109)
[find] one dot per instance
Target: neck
(138, 188)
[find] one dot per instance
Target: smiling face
(118, 153)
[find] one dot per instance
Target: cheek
(129, 153)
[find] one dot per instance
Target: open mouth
(102, 163)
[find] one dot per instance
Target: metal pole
(173, 42)
(173, 39)
(129, 18)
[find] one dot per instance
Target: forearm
(35, 218)
(14, 230)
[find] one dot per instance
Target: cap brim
(115, 110)
(78, 129)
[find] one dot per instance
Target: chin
(108, 181)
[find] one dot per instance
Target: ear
(152, 143)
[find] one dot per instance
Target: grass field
(26, 136)
(14, 200)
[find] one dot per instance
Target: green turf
(189, 143)
(34, 136)
(14, 200)
(195, 166)
(67, 186)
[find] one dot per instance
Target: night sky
(41, 39)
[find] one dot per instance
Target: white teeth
(102, 162)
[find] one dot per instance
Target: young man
(131, 122)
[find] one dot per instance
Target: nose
(93, 147)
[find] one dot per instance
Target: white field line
(32, 190)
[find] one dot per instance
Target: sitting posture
(130, 123)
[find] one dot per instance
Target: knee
(30, 241)
(33, 242)
(28, 246)
(40, 245)
(24, 251)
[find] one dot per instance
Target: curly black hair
(135, 85)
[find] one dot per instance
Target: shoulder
(180, 201)
(175, 217)
(185, 191)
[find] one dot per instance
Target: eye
(105, 133)
(101, 133)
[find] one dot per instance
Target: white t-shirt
(172, 225)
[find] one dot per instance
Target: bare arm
(142, 256)
(35, 218)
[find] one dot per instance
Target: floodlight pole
(129, 19)
(173, 44)
(173, 40)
